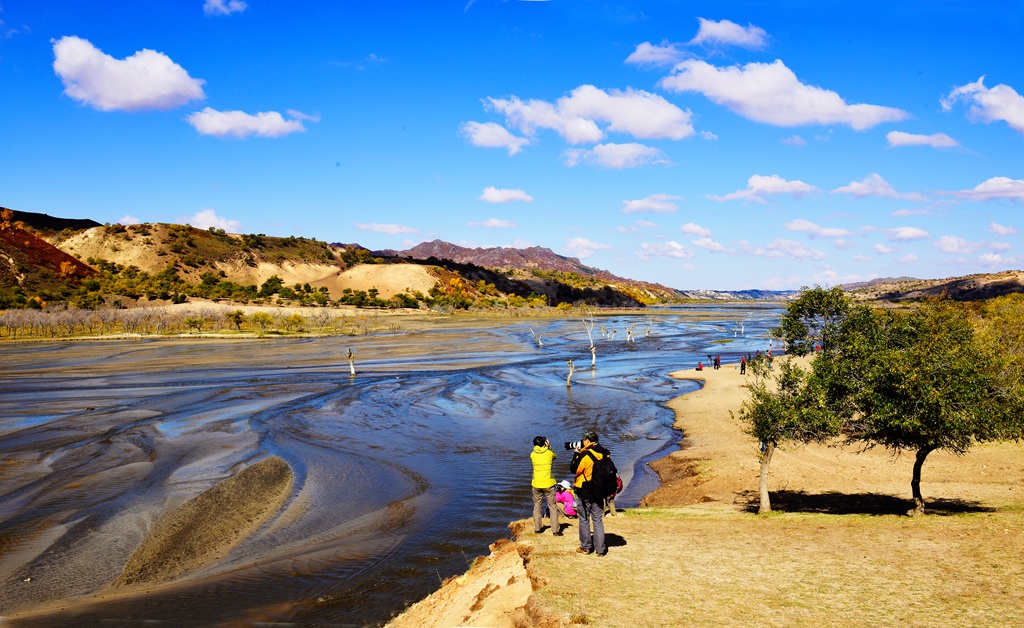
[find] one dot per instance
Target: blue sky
(726, 145)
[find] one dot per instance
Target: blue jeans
(592, 511)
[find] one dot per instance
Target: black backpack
(604, 482)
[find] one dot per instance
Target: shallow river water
(403, 472)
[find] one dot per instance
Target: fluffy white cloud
(882, 249)
(1003, 230)
(695, 230)
(906, 234)
(583, 248)
(875, 185)
(659, 203)
(772, 94)
(936, 140)
(710, 245)
(238, 124)
(654, 55)
(575, 117)
(670, 249)
(224, 7)
(129, 220)
(616, 156)
(1001, 102)
(994, 189)
(815, 231)
(787, 249)
(760, 186)
(496, 195)
(795, 140)
(493, 223)
(993, 260)
(729, 33)
(955, 245)
(145, 80)
(389, 229)
(208, 218)
(708, 135)
(492, 135)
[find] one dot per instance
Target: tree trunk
(762, 485)
(915, 483)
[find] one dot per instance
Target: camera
(574, 445)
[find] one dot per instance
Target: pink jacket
(567, 500)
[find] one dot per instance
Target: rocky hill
(969, 288)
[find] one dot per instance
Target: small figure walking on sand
(743, 365)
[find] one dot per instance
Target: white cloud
(708, 135)
(795, 140)
(994, 189)
(815, 231)
(493, 223)
(129, 220)
(729, 33)
(788, 249)
(654, 55)
(384, 228)
(902, 213)
(882, 249)
(993, 260)
(208, 218)
(906, 234)
(670, 249)
(575, 117)
(145, 80)
(238, 124)
(495, 195)
(710, 245)
(760, 186)
(1001, 102)
(659, 203)
(955, 245)
(875, 185)
(694, 229)
(772, 94)
(936, 140)
(1003, 230)
(616, 156)
(224, 7)
(492, 135)
(583, 248)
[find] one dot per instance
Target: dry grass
(711, 565)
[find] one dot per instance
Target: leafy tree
(263, 319)
(812, 318)
(784, 409)
(295, 321)
(917, 381)
(236, 317)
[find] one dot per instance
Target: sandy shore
(717, 470)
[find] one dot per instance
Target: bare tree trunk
(351, 361)
(915, 483)
(762, 485)
(568, 380)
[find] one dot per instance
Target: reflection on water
(403, 473)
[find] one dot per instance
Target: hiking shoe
(580, 550)
(558, 534)
(602, 553)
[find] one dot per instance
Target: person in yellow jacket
(591, 508)
(544, 485)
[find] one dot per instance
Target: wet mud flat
(120, 490)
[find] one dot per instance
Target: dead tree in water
(629, 332)
(604, 331)
(537, 338)
(593, 356)
(648, 324)
(351, 361)
(572, 369)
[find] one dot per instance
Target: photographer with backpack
(595, 482)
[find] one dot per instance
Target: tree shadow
(836, 503)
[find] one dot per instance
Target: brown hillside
(970, 288)
(29, 261)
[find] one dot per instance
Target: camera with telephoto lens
(575, 445)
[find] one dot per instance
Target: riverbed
(403, 472)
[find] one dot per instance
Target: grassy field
(708, 565)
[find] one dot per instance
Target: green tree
(916, 381)
(264, 320)
(236, 318)
(781, 409)
(812, 318)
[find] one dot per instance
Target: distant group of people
(716, 361)
(580, 499)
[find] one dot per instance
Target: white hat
(565, 484)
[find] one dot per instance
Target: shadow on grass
(614, 540)
(835, 503)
